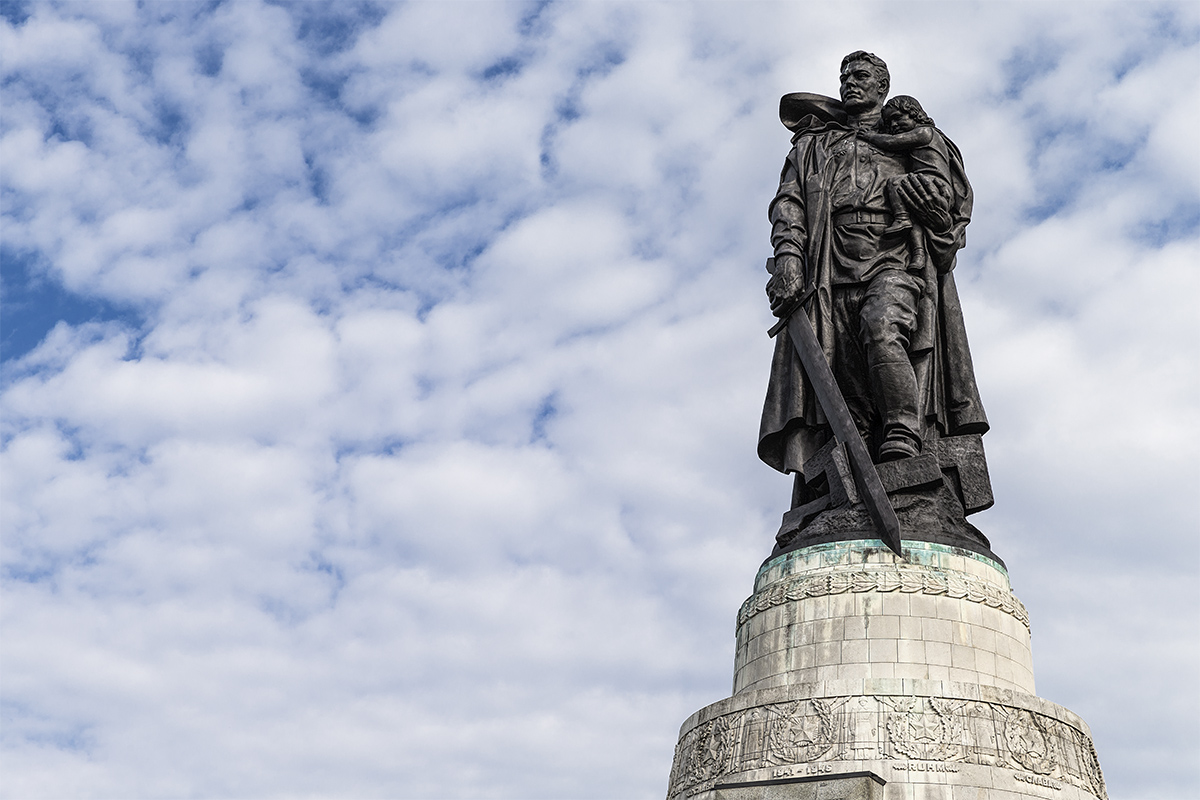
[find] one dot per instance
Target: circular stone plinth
(919, 737)
(856, 611)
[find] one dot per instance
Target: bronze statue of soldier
(874, 280)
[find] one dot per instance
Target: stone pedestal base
(859, 786)
(852, 662)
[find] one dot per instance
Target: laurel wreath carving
(908, 579)
(1029, 742)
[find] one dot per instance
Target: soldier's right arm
(788, 239)
(789, 234)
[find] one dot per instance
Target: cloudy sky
(381, 382)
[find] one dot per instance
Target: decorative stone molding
(913, 733)
(909, 579)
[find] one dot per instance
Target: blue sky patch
(1028, 63)
(545, 414)
(31, 303)
(15, 11)
(1182, 223)
(332, 26)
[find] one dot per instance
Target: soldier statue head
(865, 82)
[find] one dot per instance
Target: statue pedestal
(860, 674)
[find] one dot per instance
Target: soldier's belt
(861, 218)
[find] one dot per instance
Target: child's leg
(900, 217)
(916, 247)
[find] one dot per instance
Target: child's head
(903, 113)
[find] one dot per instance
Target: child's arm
(909, 140)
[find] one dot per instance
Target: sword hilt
(791, 309)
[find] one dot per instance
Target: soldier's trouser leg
(886, 322)
(850, 363)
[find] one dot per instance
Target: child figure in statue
(911, 131)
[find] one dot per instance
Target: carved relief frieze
(916, 734)
(909, 579)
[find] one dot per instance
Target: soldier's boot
(895, 387)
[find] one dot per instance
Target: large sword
(866, 477)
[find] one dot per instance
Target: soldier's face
(861, 87)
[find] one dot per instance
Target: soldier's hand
(929, 199)
(785, 285)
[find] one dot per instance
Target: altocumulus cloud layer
(381, 382)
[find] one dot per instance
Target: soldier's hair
(881, 70)
(909, 105)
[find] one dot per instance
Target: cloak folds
(793, 426)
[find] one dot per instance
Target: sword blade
(866, 477)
